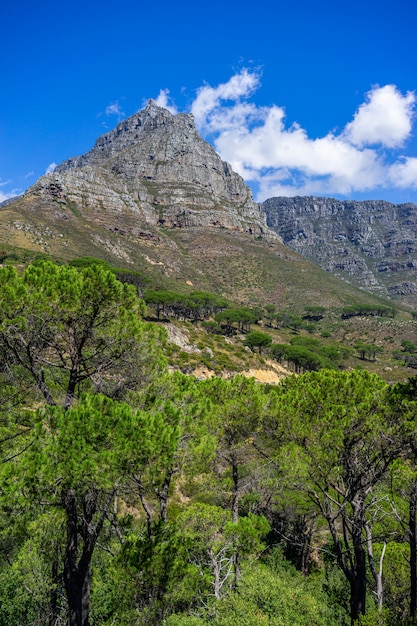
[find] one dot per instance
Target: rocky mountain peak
(126, 134)
(156, 164)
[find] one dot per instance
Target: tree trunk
(358, 592)
(42, 386)
(235, 514)
(358, 582)
(377, 575)
(77, 587)
(76, 575)
(77, 562)
(351, 558)
(216, 574)
(305, 555)
(235, 489)
(162, 494)
(70, 392)
(357, 598)
(53, 597)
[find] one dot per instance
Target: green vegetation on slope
(132, 495)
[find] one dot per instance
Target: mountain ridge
(371, 244)
(152, 195)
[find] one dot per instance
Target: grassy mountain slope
(242, 267)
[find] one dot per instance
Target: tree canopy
(133, 494)
(68, 330)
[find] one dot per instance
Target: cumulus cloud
(163, 100)
(284, 160)
(403, 173)
(385, 118)
(205, 107)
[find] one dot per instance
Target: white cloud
(204, 107)
(50, 168)
(404, 173)
(284, 160)
(385, 118)
(114, 109)
(8, 194)
(163, 101)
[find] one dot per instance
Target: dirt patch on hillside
(268, 376)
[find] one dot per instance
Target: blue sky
(302, 98)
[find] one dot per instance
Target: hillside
(153, 196)
(147, 478)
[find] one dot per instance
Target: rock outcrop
(155, 166)
(372, 244)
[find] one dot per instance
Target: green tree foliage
(287, 319)
(166, 509)
(66, 328)
(346, 438)
(314, 313)
(367, 350)
(267, 596)
(211, 540)
(407, 354)
(257, 339)
(269, 314)
(403, 399)
(237, 407)
(139, 280)
(197, 305)
(236, 319)
(79, 461)
(153, 550)
(357, 310)
(306, 354)
(408, 346)
(303, 359)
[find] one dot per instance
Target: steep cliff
(372, 244)
(155, 165)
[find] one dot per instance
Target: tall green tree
(403, 399)
(257, 339)
(63, 328)
(78, 461)
(344, 438)
(238, 408)
(152, 549)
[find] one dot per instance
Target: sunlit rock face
(155, 166)
(372, 244)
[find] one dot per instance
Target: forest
(133, 494)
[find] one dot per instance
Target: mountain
(153, 196)
(371, 244)
(155, 166)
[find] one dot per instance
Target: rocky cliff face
(155, 166)
(372, 244)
